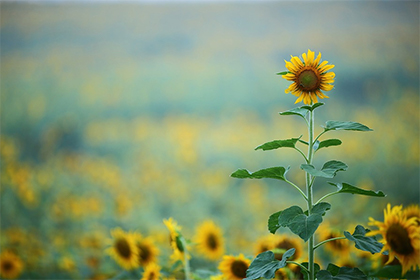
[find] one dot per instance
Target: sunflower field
(122, 125)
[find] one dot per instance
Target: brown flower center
(6, 266)
(212, 241)
(308, 79)
(123, 248)
(239, 268)
(286, 245)
(399, 240)
(145, 253)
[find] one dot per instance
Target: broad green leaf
(265, 265)
(327, 143)
(321, 208)
(394, 272)
(288, 143)
(340, 125)
(273, 222)
(283, 73)
(305, 226)
(313, 107)
(296, 111)
(333, 269)
(347, 188)
(363, 242)
(287, 215)
(305, 274)
(329, 169)
(344, 273)
(271, 172)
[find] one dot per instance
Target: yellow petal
(307, 99)
(290, 66)
(299, 99)
(329, 75)
(326, 68)
(316, 61)
(310, 58)
(289, 76)
(326, 87)
(297, 62)
(314, 99)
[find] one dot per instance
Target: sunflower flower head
(209, 239)
(175, 239)
(234, 267)
(400, 236)
(151, 272)
(123, 249)
(11, 266)
(309, 77)
(148, 252)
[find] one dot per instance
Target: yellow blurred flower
(11, 266)
(336, 247)
(411, 211)
(209, 239)
(151, 272)
(309, 77)
(123, 249)
(148, 252)
(234, 267)
(175, 240)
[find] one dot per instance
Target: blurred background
(122, 114)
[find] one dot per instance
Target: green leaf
(265, 265)
(271, 172)
(273, 222)
(296, 111)
(344, 273)
(305, 226)
(328, 143)
(287, 215)
(283, 73)
(288, 143)
(363, 242)
(394, 272)
(347, 188)
(329, 169)
(321, 208)
(313, 107)
(340, 125)
(305, 274)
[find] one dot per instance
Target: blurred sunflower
(281, 274)
(151, 272)
(309, 77)
(148, 252)
(400, 236)
(412, 210)
(11, 266)
(284, 243)
(175, 240)
(123, 249)
(336, 247)
(265, 243)
(209, 239)
(234, 268)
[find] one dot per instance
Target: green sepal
(305, 274)
(288, 143)
(347, 188)
(283, 73)
(327, 143)
(179, 243)
(394, 272)
(273, 222)
(343, 273)
(329, 169)
(278, 173)
(340, 125)
(363, 242)
(265, 265)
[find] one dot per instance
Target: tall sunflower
(309, 77)
(400, 236)
(123, 249)
(11, 266)
(151, 272)
(175, 240)
(234, 268)
(148, 252)
(209, 239)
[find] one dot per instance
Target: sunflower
(209, 239)
(309, 77)
(123, 249)
(234, 268)
(265, 243)
(175, 239)
(148, 252)
(336, 247)
(11, 265)
(400, 236)
(151, 272)
(412, 210)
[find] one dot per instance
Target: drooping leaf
(327, 143)
(287, 215)
(296, 111)
(347, 188)
(329, 169)
(394, 272)
(321, 208)
(265, 265)
(271, 172)
(313, 107)
(273, 222)
(340, 125)
(363, 242)
(344, 273)
(305, 226)
(288, 143)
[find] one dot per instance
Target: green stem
(298, 264)
(325, 196)
(304, 156)
(186, 261)
(328, 240)
(296, 187)
(311, 266)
